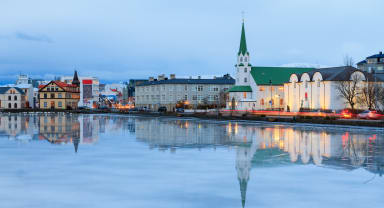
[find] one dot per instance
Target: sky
(118, 40)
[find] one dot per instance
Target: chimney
(381, 52)
(151, 79)
(172, 76)
(199, 77)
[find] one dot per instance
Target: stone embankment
(329, 120)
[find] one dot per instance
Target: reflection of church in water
(268, 146)
(69, 129)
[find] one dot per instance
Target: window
(245, 59)
(185, 97)
(261, 89)
(9, 98)
(9, 106)
(15, 105)
(60, 104)
(281, 101)
(216, 97)
(59, 95)
(245, 79)
(52, 95)
(15, 97)
(306, 84)
(45, 104)
(306, 96)
(200, 88)
(45, 95)
(318, 83)
(245, 70)
(262, 101)
(185, 87)
(194, 97)
(244, 95)
(241, 59)
(215, 89)
(57, 89)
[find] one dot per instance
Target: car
(370, 114)
(180, 110)
(162, 109)
(348, 113)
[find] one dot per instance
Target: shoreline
(220, 116)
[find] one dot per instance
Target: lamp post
(270, 84)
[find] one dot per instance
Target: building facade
(258, 88)
(60, 95)
(318, 89)
(374, 63)
(89, 90)
(155, 93)
(12, 98)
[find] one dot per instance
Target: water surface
(64, 160)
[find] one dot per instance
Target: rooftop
(226, 79)
(277, 75)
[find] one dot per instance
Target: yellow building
(60, 95)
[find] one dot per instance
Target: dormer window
(245, 69)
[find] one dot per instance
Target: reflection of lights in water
(236, 128)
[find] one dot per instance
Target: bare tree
(349, 90)
(369, 95)
(348, 61)
(380, 97)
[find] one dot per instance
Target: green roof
(277, 75)
(241, 88)
(243, 43)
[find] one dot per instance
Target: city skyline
(123, 40)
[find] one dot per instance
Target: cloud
(29, 37)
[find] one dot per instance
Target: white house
(12, 98)
(317, 89)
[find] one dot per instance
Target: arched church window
(241, 59)
(245, 59)
(245, 69)
(262, 101)
(318, 83)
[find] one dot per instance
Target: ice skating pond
(78, 161)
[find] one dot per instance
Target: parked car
(180, 110)
(348, 113)
(369, 114)
(162, 109)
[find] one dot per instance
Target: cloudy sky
(124, 39)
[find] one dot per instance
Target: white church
(287, 88)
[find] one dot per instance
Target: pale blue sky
(119, 40)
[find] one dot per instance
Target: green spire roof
(243, 43)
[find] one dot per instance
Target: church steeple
(75, 79)
(243, 43)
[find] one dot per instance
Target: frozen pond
(111, 161)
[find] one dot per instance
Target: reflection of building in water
(60, 129)
(179, 133)
(64, 129)
(267, 146)
(11, 125)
